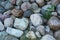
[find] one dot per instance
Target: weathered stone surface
(21, 24)
(54, 23)
(36, 19)
(14, 32)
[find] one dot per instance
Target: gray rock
(57, 35)
(1, 26)
(2, 9)
(28, 13)
(40, 2)
(21, 24)
(58, 9)
(14, 32)
(10, 38)
(12, 1)
(48, 37)
(54, 23)
(31, 35)
(25, 6)
(54, 13)
(8, 22)
(41, 29)
(36, 19)
(38, 34)
(18, 2)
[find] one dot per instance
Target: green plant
(48, 12)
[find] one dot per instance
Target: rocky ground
(29, 19)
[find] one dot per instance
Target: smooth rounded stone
(38, 34)
(2, 9)
(25, 6)
(48, 37)
(31, 35)
(57, 35)
(54, 13)
(25, 0)
(10, 38)
(32, 0)
(58, 9)
(54, 23)
(44, 8)
(3, 34)
(27, 13)
(8, 5)
(41, 29)
(36, 19)
(35, 8)
(17, 13)
(21, 24)
(14, 32)
(55, 2)
(12, 1)
(8, 22)
(40, 2)
(18, 2)
(1, 26)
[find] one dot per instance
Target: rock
(18, 2)
(10, 38)
(1, 26)
(7, 12)
(12, 1)
(44, 8)
(32, 28)
(25, 6)
(55, 2)
(40, 2)
(17, 13)
(35, 7)
(57, 35)
(25, 0)
(38, 34)
(41, 29)
(49, 3)
(36, 19)
(13, 17)
(47, 0)
(21, 24)
(2, 9)
(48, 37)
(31, 35)
(58, 9)
(27, 13)
(54, 13)
(3, 34)
(8, 5)
(14, 32)
(54, 23)
(8, 22)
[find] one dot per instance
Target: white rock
(31, 35)
(8, 22)
(38, 34)
(1, 26)
(48, 37)
(14, 32)
(54, 13)
(36, 19)
(41, 29)
(21, 24)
